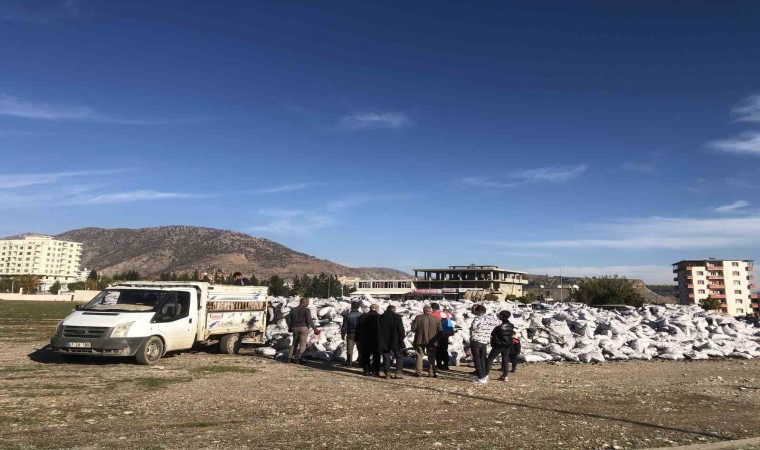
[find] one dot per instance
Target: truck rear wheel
(150, 351)
(229, 344)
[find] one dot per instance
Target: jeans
(442, 353)
(496, 351)
(421, 351)
(350, 344)
(479, 358)
(513, 360)
(399, 361)
(297, 347)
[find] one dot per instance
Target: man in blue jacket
(348, 332)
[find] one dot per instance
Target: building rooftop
(711, 259)
(471, 267)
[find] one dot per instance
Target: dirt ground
(204, 400)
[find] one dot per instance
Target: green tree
(30, 283)
(710, 304)
(78, 286)
(277, 287)
(55, 288)
(607, 290)
(93, 275)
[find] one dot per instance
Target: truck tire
(150, 351)
(229, 344)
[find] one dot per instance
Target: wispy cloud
(353, 201)
(129, 197)
(299, 225)
(375, 120)
(31, 179)
(554, 174)
(747, 143)
(654, 233)
(16, 107)
(733, 207)
(748, 110)
(282, 188)
(653, 274)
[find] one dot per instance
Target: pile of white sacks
(553, 332)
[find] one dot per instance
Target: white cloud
(748, 110)
(32, 179)
(552, 174)
(732, 207)
(129, 197)
(745, 143)
(656, 233)
(353, 201)
(652, 274)
(282, 188)
(641, 167)
(373, 121)
(300, 226)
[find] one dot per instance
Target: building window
(701, 291)
(700, 281)
(735, 264)
(736, 274)
(700, 273)
(737, 292)
(740, 311)
(737, 283)
(738, 301)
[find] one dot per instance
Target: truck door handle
(191, 320)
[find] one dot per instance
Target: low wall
(76, 296)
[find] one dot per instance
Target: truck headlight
(121, 330)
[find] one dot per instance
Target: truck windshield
(125, 300)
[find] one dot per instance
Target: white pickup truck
(147, 319)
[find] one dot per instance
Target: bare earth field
(204, 400)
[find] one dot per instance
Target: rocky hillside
(151, 251)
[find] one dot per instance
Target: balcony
(753, 296)
(690, 277)
(724, 306)
(691, 295)
(750, 277)
(718, 295)
(716, 286)
(715, 277)
(753, 286)
(719, 268)
(750, 268)
(689, 286)
(755, 305)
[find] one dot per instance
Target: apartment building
(390, 289)
(49, 259)
(730, 281)
(468, 282)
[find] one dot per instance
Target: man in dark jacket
(348, 332)
(299, 322)
(366, 336)
(239, 280)
(501, 344)
(391, 341)
(427, 329)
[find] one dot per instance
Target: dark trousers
(496, 351)
(399, 361)
(442, 354)
(479, 358)
(370, 360)
(513, 360)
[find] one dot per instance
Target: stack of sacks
(553, 332)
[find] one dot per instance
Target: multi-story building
(729, 281)
(49, 259)
(391, 289)
(468, 282)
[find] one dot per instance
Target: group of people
(379, 339)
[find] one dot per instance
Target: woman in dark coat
(391, 340)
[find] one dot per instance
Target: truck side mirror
(78, 307)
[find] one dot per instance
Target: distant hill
(662, 294)
(152, 251)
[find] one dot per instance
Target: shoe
(387, 376)
(503, 379)
(399, 377)
(484, 380)
(513, 371)
(417, 375)
(435, 375)
(478, 381)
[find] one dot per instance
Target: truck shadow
(344, 371)
(45, 355)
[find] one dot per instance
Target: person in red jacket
(442, 352)
(515, 351)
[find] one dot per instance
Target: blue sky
(603, 137)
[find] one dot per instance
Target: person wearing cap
(348, 332)
(367, 335)
(427, 329)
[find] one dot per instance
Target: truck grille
(84, 332)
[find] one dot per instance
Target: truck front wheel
(150, 351)
(229, 344)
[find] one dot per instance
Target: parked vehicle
(148, 319)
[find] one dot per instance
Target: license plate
(79, 344)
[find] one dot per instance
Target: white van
(147, 319)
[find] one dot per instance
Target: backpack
(447, 325)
